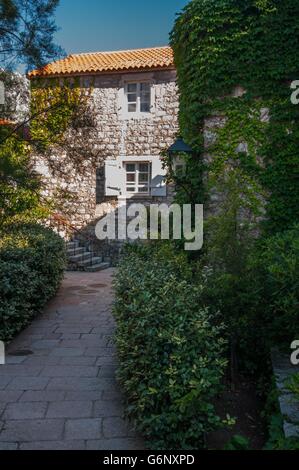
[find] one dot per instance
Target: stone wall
(112, 136)
(212, 125)
(16, 97)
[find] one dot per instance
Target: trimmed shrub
(32, 262)
(171, 350)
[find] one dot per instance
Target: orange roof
(5, 122)
(101, 62)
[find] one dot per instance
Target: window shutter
(158, 184)
(114, 178)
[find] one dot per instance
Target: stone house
(135, 101)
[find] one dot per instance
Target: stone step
(70, 268)
(73, 244)
(75, 251)
(97, 267)
(90, 262)
(86, 256)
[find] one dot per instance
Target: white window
(129, 176)
(138, 178)
(138, 97)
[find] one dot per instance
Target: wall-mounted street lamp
(176, 152)
(178, 147)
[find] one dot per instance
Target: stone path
(64, 395)
(288, 402)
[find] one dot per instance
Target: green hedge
(32, 262)
(171, 350)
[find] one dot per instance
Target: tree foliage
(221, 44)
(61, 124)
(26, 32)
(64, 133)
(20, 187)
(236, 60)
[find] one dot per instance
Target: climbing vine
(54, 107)
(223, 44)
(64, 133)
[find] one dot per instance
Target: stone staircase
(81, 258)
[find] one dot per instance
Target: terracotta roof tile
(76, 64)
(5, 122)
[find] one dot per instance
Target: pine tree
(27, 28)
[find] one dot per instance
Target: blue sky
(103, 25)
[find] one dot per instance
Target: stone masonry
(114, 136)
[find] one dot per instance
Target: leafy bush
(275, 267)
(277, 439)
(258, 296)
(171, 351)
(32, 261)
(238, 443)
(20, 187)
(275, 422)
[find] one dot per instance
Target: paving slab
(42, 396)
(32, 430)
(8, 446)
(115, 444)
(70, 409)
(64, 395)
(87, 429)
(25, 410)
(70, 371)
(4, 381)
(54, 445)
(27, 383)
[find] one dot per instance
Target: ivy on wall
(222, 44)
(64, 133)
(60, 133)
(54, 106)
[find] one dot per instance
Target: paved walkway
(64, 395)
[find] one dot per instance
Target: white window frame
(115, 177)
(138, 97)
(123, 99)
(136, 184)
